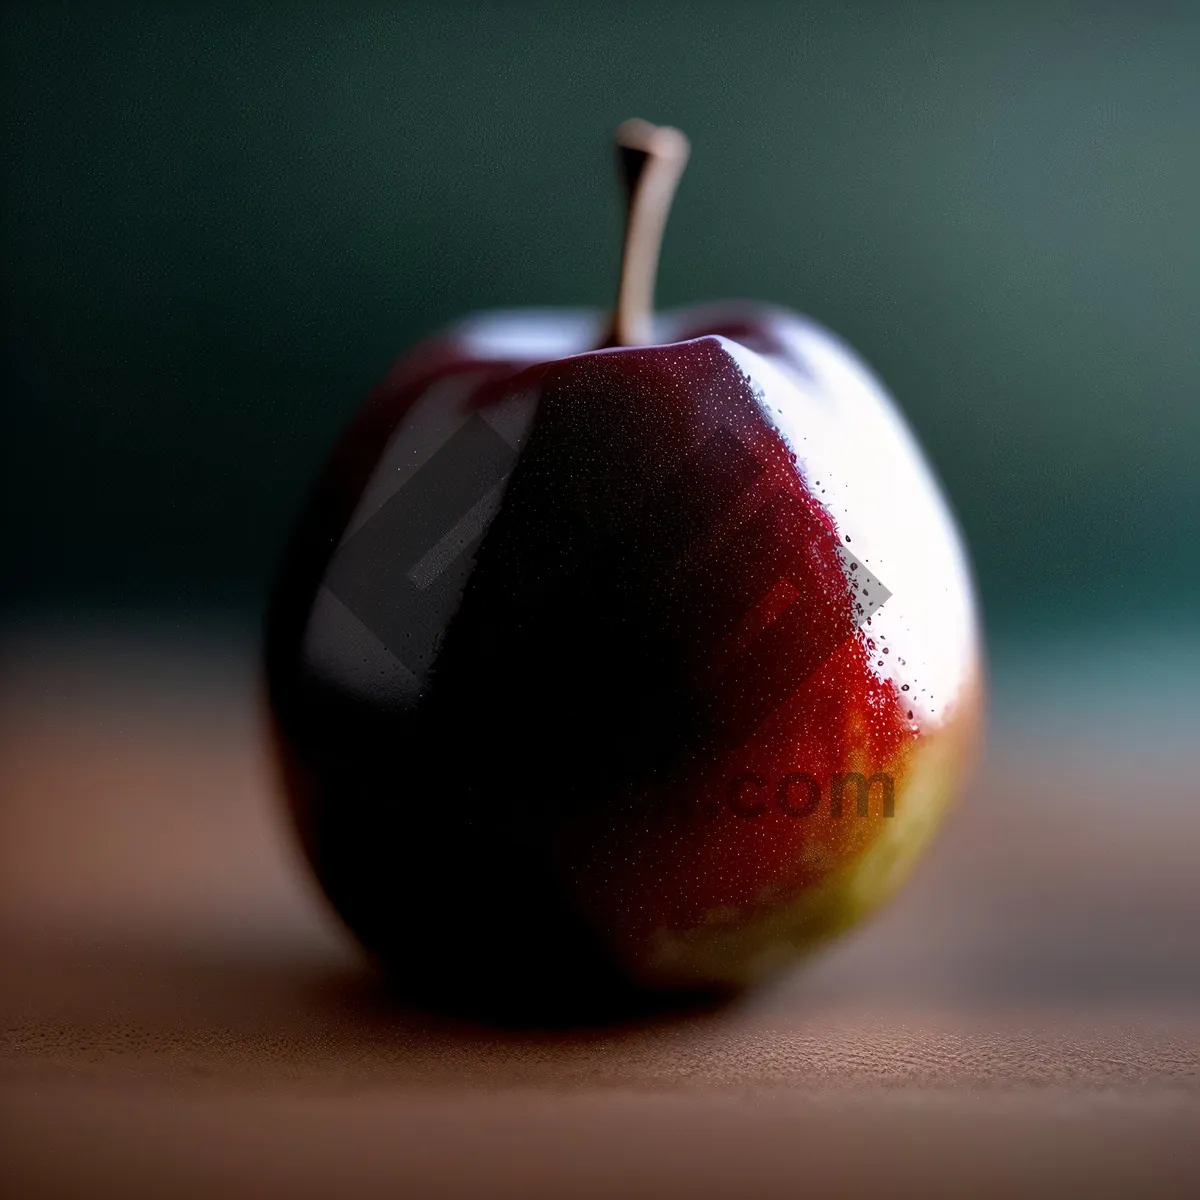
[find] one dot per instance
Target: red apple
(621, 659)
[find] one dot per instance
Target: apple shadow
(230, 1013)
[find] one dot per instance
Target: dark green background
(220, 224)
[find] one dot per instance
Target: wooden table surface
(181, 1017)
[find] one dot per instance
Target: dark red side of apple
(652, 512)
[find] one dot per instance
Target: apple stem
(652, 160)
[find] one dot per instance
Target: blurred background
(221, 223)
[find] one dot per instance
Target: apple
(620, 658)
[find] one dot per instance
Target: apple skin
(571, 654)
